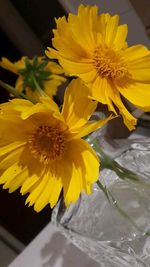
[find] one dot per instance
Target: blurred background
(26, 29)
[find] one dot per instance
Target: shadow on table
(60, 252)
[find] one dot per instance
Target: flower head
(93, 47)
(42, 150)
(47, 74)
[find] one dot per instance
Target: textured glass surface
(113, 237)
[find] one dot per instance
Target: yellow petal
(12, 131)
(75, 68)
(35, 194)
(128, 119)
(73, 191)
(98, 90)
(8, 148)
(10, 159)
(83, 67)
(12, 127)
(64, 171)
(111, 30)
(47, 106)
(84, 170)
(102, 23)
(101, 92)
(140, 75)
(87, 20)
(68, 46)
(88, 77)
(9, 174)
(8, 65)
(32, 94)
(34, 166)
(28, 183)
(71, 177)
(54, 68)
(138, 94)
(19, 84)
(109, 95)
(18, 105)
(51, 86)
(91, 127)
(121, 35)
(50, 193)
(17, 181)
(92, 169)
(14, 67)
(135, 52)
(9, 109)
(77, 107)
(57, 187)
(139, 63)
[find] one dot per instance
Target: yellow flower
(47, 73)
(93, 47)
(42, 150)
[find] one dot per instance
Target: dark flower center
(47, 143)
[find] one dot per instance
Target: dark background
(25, 29)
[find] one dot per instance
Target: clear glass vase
(114, 232)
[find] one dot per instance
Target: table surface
(51, 249)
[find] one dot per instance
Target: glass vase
(113, 231)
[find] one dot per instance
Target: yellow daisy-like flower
(48, 75)
(93, 47)
(42, 150)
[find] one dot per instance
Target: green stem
(38, 88)
(122, 172)
(104, 189)
(113, 201)
(14, 92)
(127, 174)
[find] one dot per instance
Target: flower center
(109, 64)
(47, 143)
